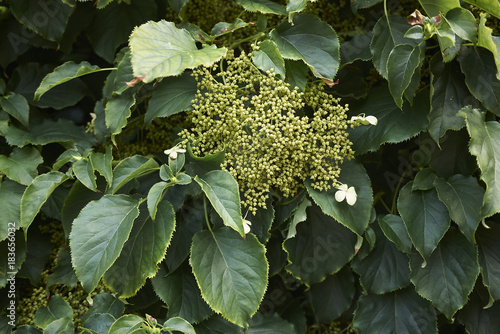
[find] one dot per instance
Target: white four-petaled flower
(347, 193)
(365, 120)
(246, 225)
(172, 153)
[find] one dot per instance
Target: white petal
(246, 226)
(173, 155)
(167, 152)
(372, 120)
(343, 187)
(340, 195)
(354, 118)
(181, 150)
(351, 196)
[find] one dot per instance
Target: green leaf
(122, 75)
(231, 272)
(48, 19)
(66, 72)
(298, 217)
(56, 309)
(478, 65)
(142, 252)
(126, 324)
(321, 247)
(103, 33)
(434, 8)
(21, 165)
(131, 168)
(177, 5)
(311, 40)
(16, 106)
(37, 194)
(98, 235)
(463, 23)
(60, 326)
(485, 146)
(222, 191)
(11, 194)
(178, 324)
(269, 323)
(217, 325)
(262, 6)
(355, 217)
(361, 4)
(172, 96)
(39, 249)
(267, 57)
(448, 94)
(425, 218)
(424, 180)
(385, 39)
(491, 6)
(102, 163)
(449, 275)
(385, 269)
(332, 297)
(357, 48)
(63, 272)
(182, 295)
(296, 73)
(401, 311)
(118, 110)
(155, 195)
(486, 40)
(462, 195)
(222, 28)
(395, 230)
(84, 172)
(476, 317)
(159, 49)
(262, 221)
(99, 323)
(489, 258)
(393, 126)
(7, 268)
(105, 303)
(402, 63)
(47, 131)
(295, 6)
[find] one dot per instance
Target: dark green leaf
(172, 96)
(98, 235)
(477, 318)
(424, 180)
(105, 303)
(63, 272)
(66, 72)
(269, 323)
(462, 195)
(222, 28)
(217, 325)
(21, 165)
(463, 23)
(39, 249)
(267, 57)
(357, 48)
(385, 269)
(491, 6)
(222, 191)
(332, 297)
(402, 63)
(311, 40)
(123, 74)
(126, 324)
(357, 216)
(103, 33)
(488, 41)
(433, 8)
(11, 194)
(395, 230)
(448, 94)
(177, 5)
(37, 194)
(99, 323)
(7, 269)
(84, 172)
(102, 163)
(181, 294)
(231, 272)
(484, 145)
(178, 324)
(425, 218)
(25, 329)
(385, 39)
(401, 311)
(117, 111)
(16, 106)
(393, 126)
(321, 247)
(449, 274)
(296, 73)
(131, 168)
(488, 241)
(155, 195)
(56, 309)
(48, 19)
(60, 326)
(262, 6)
(479, 68)
(142, 252)
(360, 4)
(159, 49)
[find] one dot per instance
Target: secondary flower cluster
(274, 136)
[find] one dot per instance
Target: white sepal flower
(365, 120)
(172, 153)
(246, 225)
(347, 193)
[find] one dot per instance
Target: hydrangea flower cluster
(274, 136)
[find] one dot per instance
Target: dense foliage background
(182, 165)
